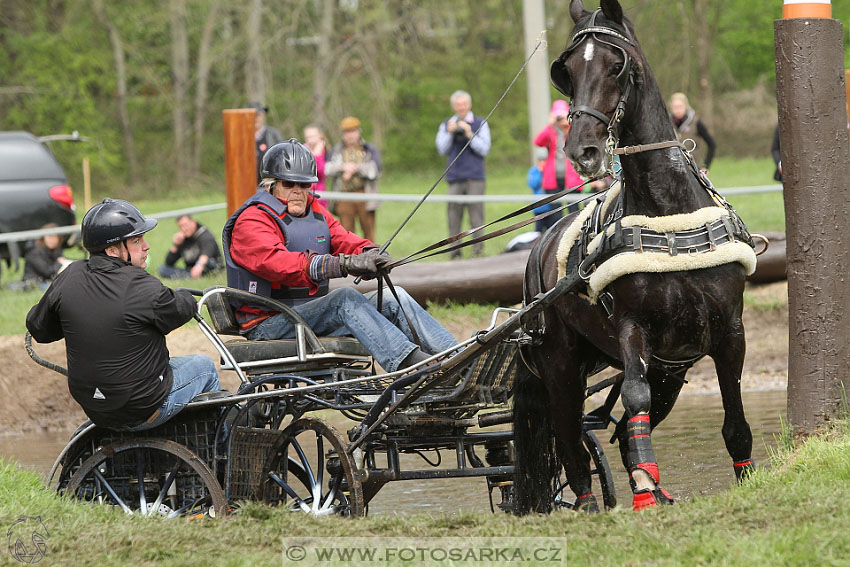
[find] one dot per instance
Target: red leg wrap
(652, 469)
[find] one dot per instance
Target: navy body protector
(309, 232)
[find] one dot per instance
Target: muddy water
(688, 445)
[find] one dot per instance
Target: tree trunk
(255, 80)
(203, 81)
(180, 75)
(323, 64)
(121, 86)
(705, 30)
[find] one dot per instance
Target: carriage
(267, 442)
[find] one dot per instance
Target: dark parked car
(34, 190)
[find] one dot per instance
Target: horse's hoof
(647, 498)
(587, 503)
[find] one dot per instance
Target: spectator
(558, 173)
(196, 246)
(282, 243)
(356, 165)
(777, 155)
(264, 136)
(114, 317)
(467, 175)
(316, 142)
(44, 260)
(688, 125)
(535, 182)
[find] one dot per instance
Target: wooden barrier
(240, 157)
(498, 279)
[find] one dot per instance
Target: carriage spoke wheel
(149, 477)
(602, 481)
(310, 472)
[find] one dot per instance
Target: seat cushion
(251, 351)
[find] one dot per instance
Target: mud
(37, 400)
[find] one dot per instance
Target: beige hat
(349, 123)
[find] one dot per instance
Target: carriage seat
(320, 352)
(251, 351)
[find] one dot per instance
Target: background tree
(147, 79)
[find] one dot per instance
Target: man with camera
(466, 176)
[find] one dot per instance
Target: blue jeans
(347, 312)
(173, 272)
(193, 374)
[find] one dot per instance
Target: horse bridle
(625, 81)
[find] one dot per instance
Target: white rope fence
(387, 197)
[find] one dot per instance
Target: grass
(791, 514)
(762, 212)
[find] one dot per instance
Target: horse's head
(601, 71)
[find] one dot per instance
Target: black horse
(653, 326)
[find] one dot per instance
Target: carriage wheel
(310, 472)
(150, 477)
(602, 481)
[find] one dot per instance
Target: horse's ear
(577, 11)
(560, 77)
(612, 10)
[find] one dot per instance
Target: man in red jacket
(282, 243)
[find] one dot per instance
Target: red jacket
(258, 246)
(548, 138)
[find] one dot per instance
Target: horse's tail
(536, 461)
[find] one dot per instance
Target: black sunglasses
(292, 184)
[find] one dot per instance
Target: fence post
(240, 156)
(811, 97)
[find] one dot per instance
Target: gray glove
(367, 264)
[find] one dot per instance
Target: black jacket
(201, 243)
(114, 318)
(41, 264)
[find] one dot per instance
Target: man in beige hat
(355, 166)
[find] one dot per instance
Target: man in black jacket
(114, 317)
(196, 246)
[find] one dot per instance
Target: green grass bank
(795, 513)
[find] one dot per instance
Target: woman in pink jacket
(558, 172)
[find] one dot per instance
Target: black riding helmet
(112, 221)
(290, 161)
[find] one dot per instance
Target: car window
(24, 157)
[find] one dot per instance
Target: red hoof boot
(587, 503)
(647, 498)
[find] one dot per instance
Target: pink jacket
(548, 138)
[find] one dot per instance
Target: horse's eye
(616, 69)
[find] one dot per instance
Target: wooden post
(810, 93)
(86, 183)
(847, 90)
(537, 73)
(240, 157)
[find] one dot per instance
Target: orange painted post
(807, 9)
(240, 156)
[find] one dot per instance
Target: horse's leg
(637, 400)
(566, 406)
(729, 364)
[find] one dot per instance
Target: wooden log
(498, 279)
(493, 279)
(240, 156)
